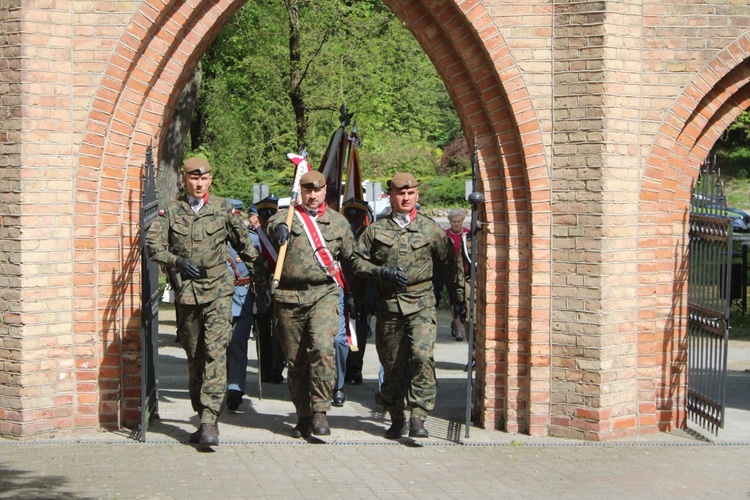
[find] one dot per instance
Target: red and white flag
(302, 166)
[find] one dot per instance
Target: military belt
(301, 286)
(413, 288)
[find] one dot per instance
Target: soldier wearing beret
(306, 301)
(191, 235)
(398, 253)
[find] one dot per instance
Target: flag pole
(289, 218)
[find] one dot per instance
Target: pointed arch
(701, 113)
(150, 65)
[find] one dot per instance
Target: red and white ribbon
(269, 253)
(331, 266)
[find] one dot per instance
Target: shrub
(444, 191)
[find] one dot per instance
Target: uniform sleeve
(157, 241)
(240, 240)
(346, 256)
(444, 256)
(273, 222)
(361, 261)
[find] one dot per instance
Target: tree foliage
(353, 51)
(738, 133)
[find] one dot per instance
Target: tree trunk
(295, 74)
(169, 178)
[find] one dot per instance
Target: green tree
(355, 52)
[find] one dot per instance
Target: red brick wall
(590, 124)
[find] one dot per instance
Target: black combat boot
(416, 428)
(209, 435)
(320, 424)
(302, 429)
(396, 430)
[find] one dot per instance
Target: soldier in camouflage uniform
(190, 234)
(306, 303)
(399, 252)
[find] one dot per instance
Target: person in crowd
(190, 234)
(398, 253)
(306, 301)
(459, 235)
(357, 212)
(242, 321)
(271, 355)
(252, 217)
(341, 346)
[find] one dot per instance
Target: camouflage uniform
(306, 310)
(406, 320)
(204, 305)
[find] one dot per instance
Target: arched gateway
(591, 125)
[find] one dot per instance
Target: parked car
(381, 207)
(740, 219)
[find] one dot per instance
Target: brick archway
(702, 112)
(151, 63)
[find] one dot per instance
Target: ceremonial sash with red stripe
(318, 244)
(329, 264)
(266, 248)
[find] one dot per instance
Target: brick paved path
(258, 459)
(107, 470)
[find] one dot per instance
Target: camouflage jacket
(300, 266)
(415, 249)
(179, 232)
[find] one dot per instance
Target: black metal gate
(149, 303)
(708, 301)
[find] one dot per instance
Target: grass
(739, 323)
(735, 170)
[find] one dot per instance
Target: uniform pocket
(334, 243)
(181, 227)
(385, 239)
(213, 227)
(419, 243)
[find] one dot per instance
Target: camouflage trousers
(408, 338)
(204, 331)
(307, 332)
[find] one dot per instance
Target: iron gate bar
(149, 303)
(709, 300)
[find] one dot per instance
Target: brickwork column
(53, 376)
(595, 185)
(11, 345)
